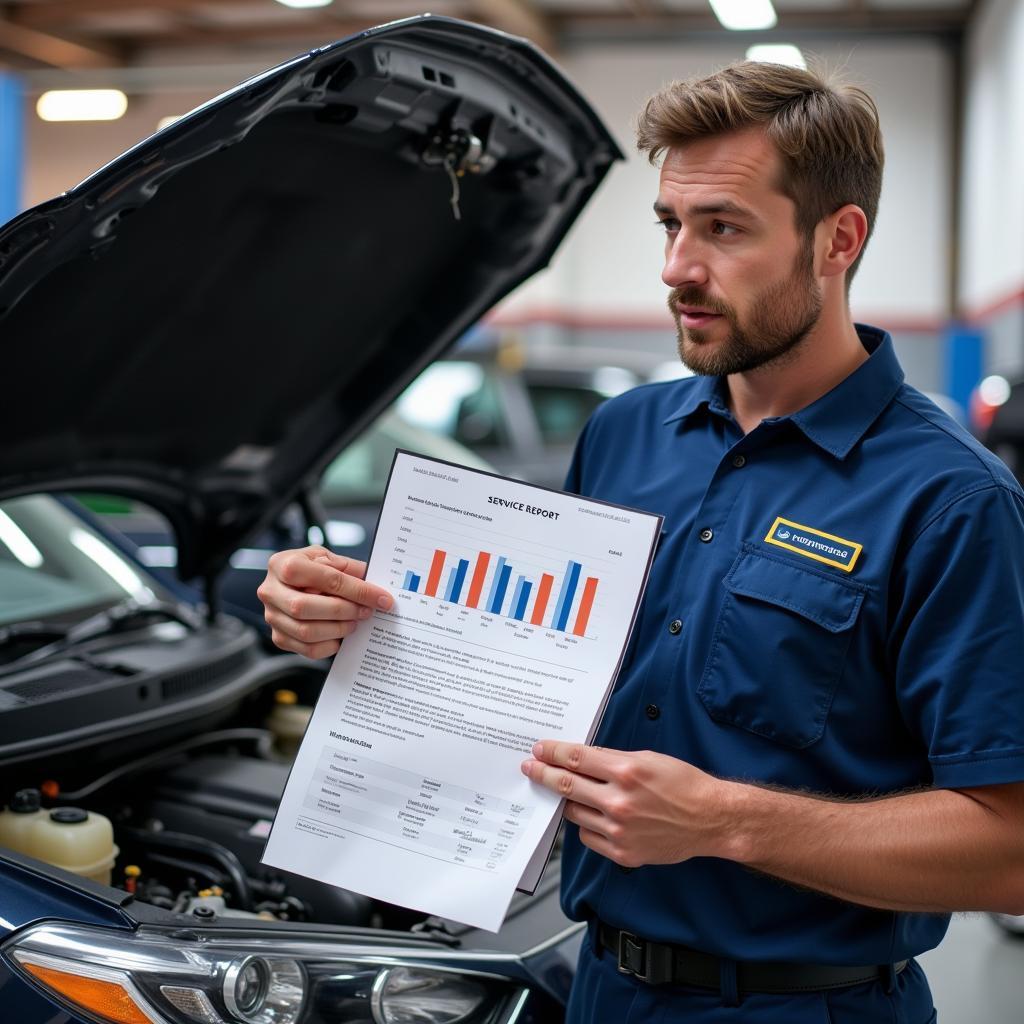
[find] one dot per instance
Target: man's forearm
(940, 850)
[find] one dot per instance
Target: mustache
(695, 297)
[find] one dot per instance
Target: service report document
(513, 605)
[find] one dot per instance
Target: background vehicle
(522, 408)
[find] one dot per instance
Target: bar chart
(491, 589)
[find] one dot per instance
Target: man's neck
(825, 358)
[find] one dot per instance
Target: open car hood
(206, 321)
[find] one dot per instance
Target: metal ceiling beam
(312, 33)
(55, 12)
(44, 48)
(636, 24)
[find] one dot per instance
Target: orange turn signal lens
(105, 999)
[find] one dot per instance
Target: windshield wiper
(128, 614)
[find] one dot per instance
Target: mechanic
(815, 748)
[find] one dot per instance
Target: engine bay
(188, 820)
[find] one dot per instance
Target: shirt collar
(840, 418)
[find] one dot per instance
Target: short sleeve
(957, 639)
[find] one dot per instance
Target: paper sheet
(513, 607)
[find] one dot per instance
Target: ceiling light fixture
(305, 3)
(82, 105)
(742, 15)
(777, 53)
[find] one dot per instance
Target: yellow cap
(132, 871)
(286, 697)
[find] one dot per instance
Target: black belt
(660, 963)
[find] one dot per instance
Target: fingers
(319, 571)
(597, 762)
(571, 785)
(300, 604)
(314, 598)
(326, 649)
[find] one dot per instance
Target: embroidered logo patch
(822, 547)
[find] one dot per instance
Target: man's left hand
(635, 807)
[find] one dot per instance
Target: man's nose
(683, 264)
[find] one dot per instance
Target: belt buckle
(632, 956)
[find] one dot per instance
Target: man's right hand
(314, 598)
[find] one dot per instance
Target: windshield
(53, 566)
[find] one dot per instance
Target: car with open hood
(202, 326)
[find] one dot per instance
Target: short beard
(782, 316)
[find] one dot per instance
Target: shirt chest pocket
(779, 648)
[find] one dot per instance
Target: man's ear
(841, 237)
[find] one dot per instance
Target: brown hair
(826, 134)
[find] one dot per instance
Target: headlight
(406, 995)
(174, 976)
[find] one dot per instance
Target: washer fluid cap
(26, 801)
(69, 815)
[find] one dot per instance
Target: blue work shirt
(836, 605)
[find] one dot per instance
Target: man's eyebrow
(714, 206)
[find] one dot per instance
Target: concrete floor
(977, 974)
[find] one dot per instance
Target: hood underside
(205, 322)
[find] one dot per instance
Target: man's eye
(668, 224)
(718, 228)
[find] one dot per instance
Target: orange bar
(435, 573)
(479, 572)
(540, 605)
(585, 605)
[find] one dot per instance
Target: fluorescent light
(111, 563)
(158, 556)
(343, 534)
(777, 53)
(82, 105)
(744, 14)
(17, 541)
(305, 3)
(251, 558)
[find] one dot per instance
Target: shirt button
(675, 626)
(706, 535)
(652, 711)
(739, 461)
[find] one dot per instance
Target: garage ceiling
(80, 34)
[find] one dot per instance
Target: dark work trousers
(601, 995)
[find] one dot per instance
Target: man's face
(742, 277)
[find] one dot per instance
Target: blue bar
(515, 597)
(407, 585)
(964, 359)
(499, 593)
(12, 145)
(569, 592)
(494, 582)
(451, 585)
(460, 578)
(561, 602)
(523, 589)
(414, 586)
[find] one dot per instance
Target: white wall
(992, 225)
(611, 264)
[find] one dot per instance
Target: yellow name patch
(811, 543)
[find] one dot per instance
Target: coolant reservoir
(75, 840)
(16, 821)
(288, 722)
